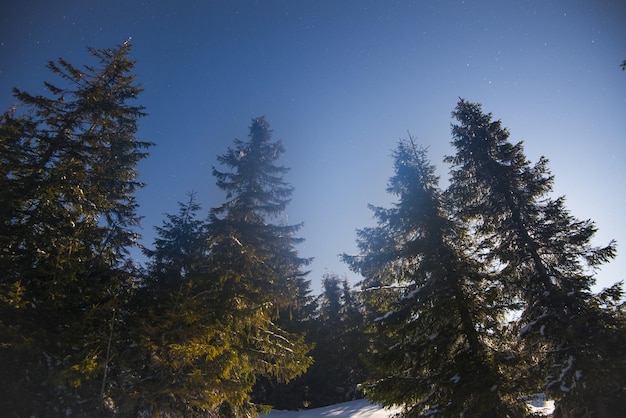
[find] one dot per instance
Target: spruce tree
(215, 291)
(571, 338)
(436, 308)
(254, 261)
(336, 330)
(179, 248)
(177, 348)
(340, 341)
(68, 218)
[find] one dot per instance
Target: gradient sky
(340, 83)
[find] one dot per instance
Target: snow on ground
(363, 409)
(540, 405)
(354, 409)
(545, 409)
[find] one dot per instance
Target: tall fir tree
(572, 339)
(255, 261)
(215, 290)
(68, 218)
(437, 311)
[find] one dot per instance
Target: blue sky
(341, 82)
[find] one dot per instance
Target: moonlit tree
(438, 311)
(571, 338)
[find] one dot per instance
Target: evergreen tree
(254, 261)
(545, 257)
(214, 291)
(179, 249)
(336, 330)
(68, 221)
(340, 341)
(297, 318)
(437, 310)
(177, 349)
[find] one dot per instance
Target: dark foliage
(68, 220)
(336, 330)
(216, 294)
(437, 311)
(545, 257)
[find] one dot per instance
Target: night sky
(340, 83)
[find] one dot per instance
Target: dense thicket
(335, 328)
(339, 345)
(444, 271)
(68, 215)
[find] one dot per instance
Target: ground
(354, 409)
(363, 409)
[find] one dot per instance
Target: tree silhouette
(69, 218)
(437, 311)
(544, 256)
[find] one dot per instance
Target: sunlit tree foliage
(217, 289)
(68, 220)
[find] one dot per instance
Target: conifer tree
(340, 341)
(176, 343)
(179, 248)
(545, 258)
(254, 261)
(336, 330)
(215, 290)
(68, 219)
(437, 310)
(299, 318)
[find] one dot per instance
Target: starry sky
(341, 82)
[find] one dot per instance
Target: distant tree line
(334, 327)
(473, 298)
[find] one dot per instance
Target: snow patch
(539, 405)
(361, 408)
(412, 293)
(564, 388)
(526, 328)
(380, 318)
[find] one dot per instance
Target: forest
(473, 298)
